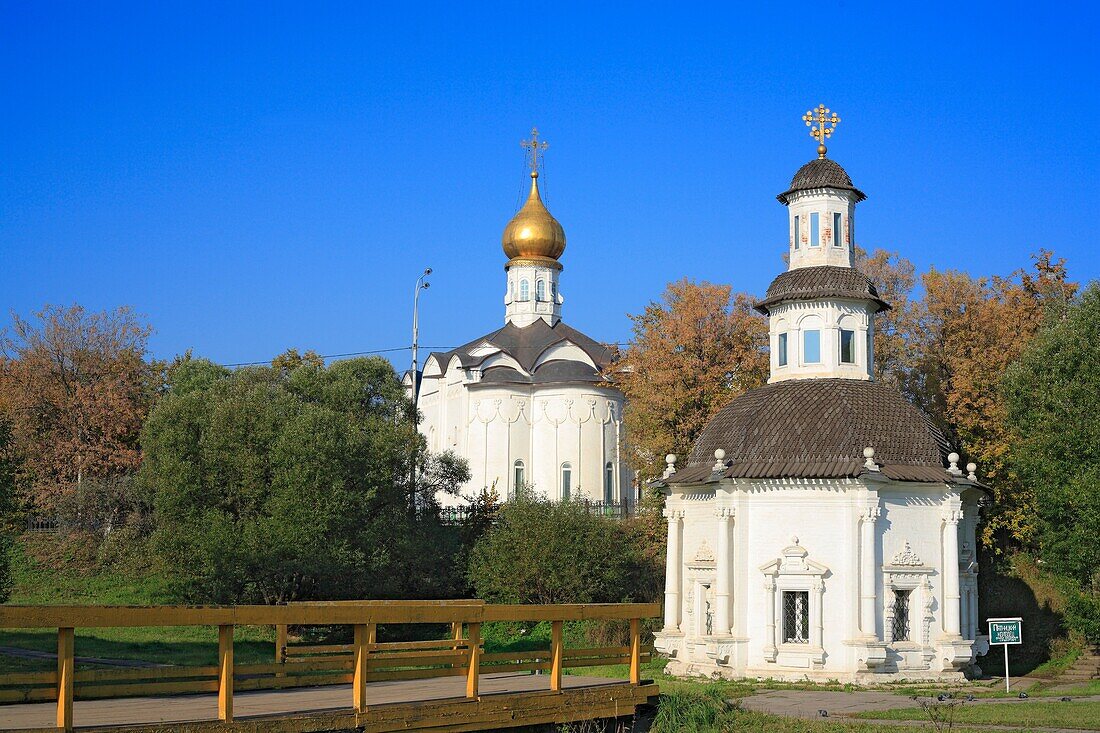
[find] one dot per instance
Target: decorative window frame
(702, 578)
(907, 571)
(793, 572)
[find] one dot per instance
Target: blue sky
(258, 176)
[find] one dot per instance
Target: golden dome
(533, 234)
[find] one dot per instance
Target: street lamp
(421, 284)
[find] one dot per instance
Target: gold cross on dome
(533, 148)
(826, 122)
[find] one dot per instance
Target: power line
(388, 351)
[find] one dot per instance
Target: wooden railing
(365, 659)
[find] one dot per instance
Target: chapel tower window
(540, 290)
(811, 346)
(566, 480)
(524, 290)
(836, 230)
(847, 346)
(797, 230)
(815, 229)
(900, 628)
(609, 483)
(782, 349)
(796, 617)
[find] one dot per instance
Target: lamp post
(421, 284)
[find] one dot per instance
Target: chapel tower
(821, 311)
(533, 242)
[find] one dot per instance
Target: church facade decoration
(841, 523)
(529, 405)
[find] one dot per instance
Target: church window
(847, 346)
(811, 347)
(836, 230)
(524, 290)
(540, 290)
(797, 230)
(900, 627)
(782, 349)
(796, 617)
(553, 292)
(518, 476)
(609, 483)
(566, 480)
(815, 229)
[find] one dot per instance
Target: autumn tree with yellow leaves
(693, 351)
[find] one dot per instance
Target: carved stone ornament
(704, 554)
(907, 558)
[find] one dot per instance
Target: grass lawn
(39, 584)
(1085, 715)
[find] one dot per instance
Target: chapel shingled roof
(821, 173)
(818, 428)
(526, 345)
(821, 281)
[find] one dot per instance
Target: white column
(770, 650)
(867, 592)
(951, 601)
(722, 621)
(817, 618)
(673, 562)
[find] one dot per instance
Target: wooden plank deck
(436, 704)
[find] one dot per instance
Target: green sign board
(1006, 631)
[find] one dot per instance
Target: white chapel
(529, 404)
(821, 528)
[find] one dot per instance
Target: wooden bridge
(447, 684)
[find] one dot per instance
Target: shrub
(543, 552)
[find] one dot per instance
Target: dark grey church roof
(526, 345)
(818, 428)
(822, 281)
(821, 173)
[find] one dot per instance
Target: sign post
(1006, 631)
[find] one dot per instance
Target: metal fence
(611, 509)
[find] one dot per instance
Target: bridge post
(65, 643)
(365, 635)
(557, 655)
(635, 651)
(474, 661)
(225, 673)
(281, 634)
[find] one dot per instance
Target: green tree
(1052, 395)
(7, 509)
(274, 484)
(544, 552)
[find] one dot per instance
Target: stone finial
(971, 468)
(670, 464)
(953, 469)
(719, 461)
(869, 455)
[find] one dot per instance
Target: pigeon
(1023, 695)
(1065, 699)
(970, 698)
(823, 713)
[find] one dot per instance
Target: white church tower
(530, 405)
(821, 528)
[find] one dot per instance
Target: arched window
(518, 476)
(540, 290)
(609, 483)
(553, 292)
(524, 290)
(566, 480)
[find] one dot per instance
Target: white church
(529, 405)
(821, 528)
